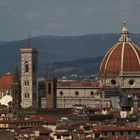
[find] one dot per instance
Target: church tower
(16, 90)
(51, 84)
(29, 84)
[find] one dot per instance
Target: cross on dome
(124, 34)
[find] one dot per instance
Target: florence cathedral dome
(124, 56)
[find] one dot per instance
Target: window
(113, 82)
(76, 93)
(137, 132)
(105, 133)
(113, 133)
(91, 93)
(121, 132)
(131, 82)
(26, 83)
(129, 132)
(26, 95)
(26, 67)
(49, 88)
(61, 93)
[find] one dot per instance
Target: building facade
(66, 94)
(70, 93)
(29, 84)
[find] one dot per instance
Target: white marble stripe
(106, 55)
(122, 56)
(135, 46)
(135, 52)
(115, 46)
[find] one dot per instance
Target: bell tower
(29, 84)
(51, 84)
(16, 90)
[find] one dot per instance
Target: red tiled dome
(6, 82)
(123, 56)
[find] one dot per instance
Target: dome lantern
(124, 34)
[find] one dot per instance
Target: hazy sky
(19, 18)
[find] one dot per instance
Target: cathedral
(119, 70)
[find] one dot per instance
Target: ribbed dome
(124, 56)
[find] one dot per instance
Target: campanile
(29, 70)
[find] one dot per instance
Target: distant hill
(60, 49)
(80, 67)
(3, 42)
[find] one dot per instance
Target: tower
(51, 83)
(29, 84)
(16, 90)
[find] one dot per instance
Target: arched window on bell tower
(49, 88)
(26, 67)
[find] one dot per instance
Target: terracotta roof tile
(62, 127)
(77, 84)
(46, 118)
(6, 82)
(115, 128)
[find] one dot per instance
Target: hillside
(60, 49)
(80, 67)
